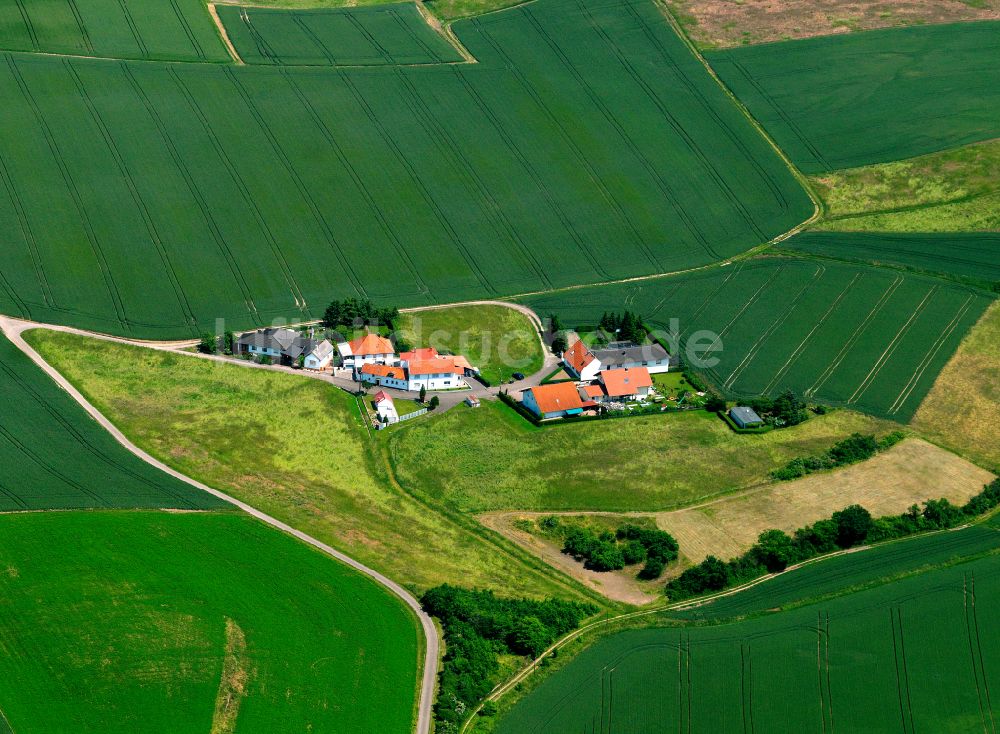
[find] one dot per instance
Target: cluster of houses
(371, 359)
(613, 376)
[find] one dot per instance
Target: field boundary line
(13, 331)
(220, 28)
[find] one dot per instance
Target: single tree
(435, 402)
(423, 393)
(208, 344)
(853, 524)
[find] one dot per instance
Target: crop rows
(869, 338)
(171, 29)
(841, 101)
(52, 456)
(869, 661)
(369, 36)
(586, 145)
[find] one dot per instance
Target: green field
(147, 29)
(143, 621)
(970, 257)
(53, 456)
(373, 36)
(869, 338)
(493, 459)
(851, 100)
(150, 199)
(918, 654)
(498, 340)
(320, 471)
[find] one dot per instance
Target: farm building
(745, 417)
(385, 408)
(557, 400)
(423, 368)
(286, 346)
(585, 363)
(628, 383)
(368, 349)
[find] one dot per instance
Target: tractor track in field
(13, 330)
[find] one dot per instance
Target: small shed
(745, 417)
(472, 401)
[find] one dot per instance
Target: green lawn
(492, 459)
(291, 446)
(496, 339)
(147, 621)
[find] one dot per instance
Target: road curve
(13, 329)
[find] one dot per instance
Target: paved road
(13, 329)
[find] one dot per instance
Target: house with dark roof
(286, 346)
(586, 364)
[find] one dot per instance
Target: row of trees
(775, 550)
(213, 344)
(356, 312)
(853, 449)
(629, 545)
(623, 327)
(479, 626)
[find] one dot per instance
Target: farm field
(172, 29)
(868, 338)
(497, 339)
(126, 621)
(255, 193)
(841, 101)
(723, 24)
(887, 484)
(371, 36)
(958, 412)
(970, 257)
(793, 670)
(492, 459)
(53, 456)
(321, 473)
(951, 191)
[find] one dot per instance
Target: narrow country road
(13, 329)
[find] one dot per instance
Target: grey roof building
(618, 355)
(285, 344)
(745, 417)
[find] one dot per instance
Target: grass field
(126, 621)
(951, 191)
(496, 339)
(372, 36)
(875, 661)
(888, 484)
(151, 29)
(492, 459)
(959, 412)
(842, 102)
(869, 338)
(319, 471)
(53, 456)
(973, 258)
(722, 23)
(150, 199)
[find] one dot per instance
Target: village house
(368, 349)
(585, 364)
(287, 347)
(385, 408)
(621, 385)
(384, 375)
(557, 400)
(420, 368)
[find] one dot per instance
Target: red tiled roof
(578, 356)
(371, 344)
(419, 355)
(439, 366)
(559, 396)
(380, 396)
(594, 391)
(383, 370)
(626, 381)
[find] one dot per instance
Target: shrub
(634, 552)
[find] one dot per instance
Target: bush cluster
(853, 449)
(626, 327)
(785, 410)
(479, 626)
(775, 550)
(629, 545)
(354, 311)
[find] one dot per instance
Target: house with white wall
(368, 349)
(420, 368)
(584, 363)
(385, 408)
(557, 400)
(287, 347)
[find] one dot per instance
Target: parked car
(517, 376)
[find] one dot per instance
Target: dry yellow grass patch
(232, 686)
(960, 412)
(910, 472)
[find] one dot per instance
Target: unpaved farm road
(13, 330)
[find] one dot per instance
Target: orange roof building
(371, 345)
(556, 400)
(628, 382)
(384, 370)
(580, 361)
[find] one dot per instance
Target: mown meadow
(148, 621)
(150, 199)
(874, 660)
(869, 338)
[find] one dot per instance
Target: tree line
(775, 550)
(851, 450)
